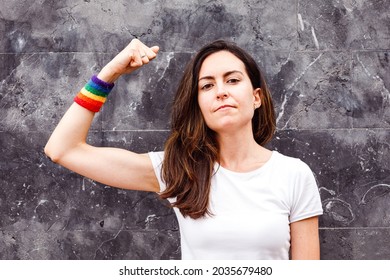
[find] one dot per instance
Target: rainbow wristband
(93, 95)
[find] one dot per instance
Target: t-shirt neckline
(217, 167)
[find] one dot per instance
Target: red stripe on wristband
(91, 106)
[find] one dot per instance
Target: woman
(234, 199)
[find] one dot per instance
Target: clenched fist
(129, 59)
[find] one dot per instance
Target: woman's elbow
(51, 153)
(63, 153)
(55, 152)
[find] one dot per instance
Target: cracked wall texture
(327, 64)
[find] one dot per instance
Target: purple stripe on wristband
(101, 83)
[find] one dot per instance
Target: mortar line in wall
(191, 52)
(136, 130)
(53, 52)
(335, 129)
(96, 130)
(297, 23)
(75, 52)
(337, 50)
(352, 51)
(292, 129)
(353, 228)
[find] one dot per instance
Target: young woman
(234, 199)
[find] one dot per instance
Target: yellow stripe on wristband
(93, 96)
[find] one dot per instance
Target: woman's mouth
(224, 107)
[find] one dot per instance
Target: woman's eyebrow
(224, 75)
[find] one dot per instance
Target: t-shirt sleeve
(306, 201)
(157, 159)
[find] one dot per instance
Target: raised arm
(120, 168)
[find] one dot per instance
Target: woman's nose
(221, 92)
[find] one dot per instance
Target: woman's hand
(128, 60)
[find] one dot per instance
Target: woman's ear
(257, 97)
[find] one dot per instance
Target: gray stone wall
(327, 64)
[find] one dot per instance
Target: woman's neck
(239, 152)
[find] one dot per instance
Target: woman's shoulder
(289, 163)
(156, 157)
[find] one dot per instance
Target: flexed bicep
(113, 167)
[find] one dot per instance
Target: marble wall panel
(37, 88)
(311, 89)
(48, 212)
(88, 245)
(352, 170)
(326, 63)
(60, 199)
(78, 25)
(355, 244)
(26, 183)
(345, 24)
(370, 85)
(142, 101)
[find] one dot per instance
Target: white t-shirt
(252, 210)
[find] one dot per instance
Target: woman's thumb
(155, 49)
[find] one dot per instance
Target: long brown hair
(191, 149)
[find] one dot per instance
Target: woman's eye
(206, 86)
(233, 81)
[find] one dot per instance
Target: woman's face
(225, 94)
